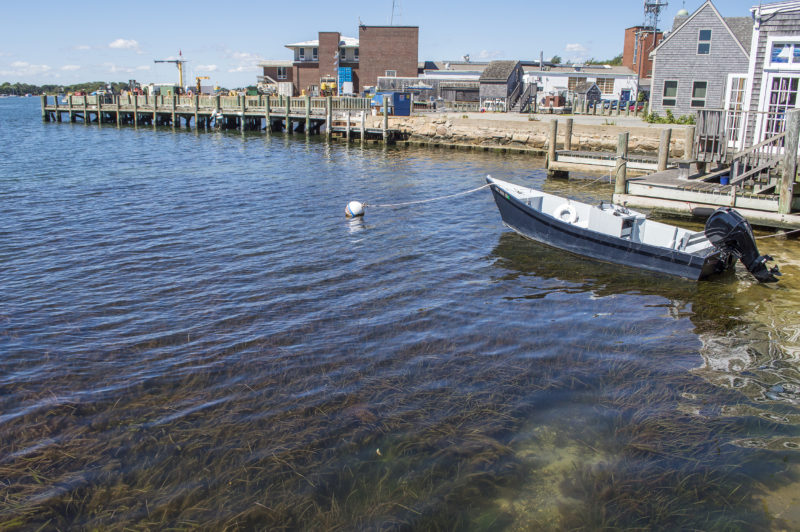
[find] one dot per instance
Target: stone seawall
(517, 132)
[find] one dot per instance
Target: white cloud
(125, 44)
(23, 68)
(70, 67)
(244, 61)
(576, 48)
(206, 68)
(82, 47)
(143, 67)
(488, 55)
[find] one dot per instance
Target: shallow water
(193, 335)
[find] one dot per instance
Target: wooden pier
(760, 181)
(245, 113)
(561, 162)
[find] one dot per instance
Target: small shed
(499, 81)
(399, 102)
(586, 91)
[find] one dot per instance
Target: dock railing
(722, 133)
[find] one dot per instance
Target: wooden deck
(666, 191)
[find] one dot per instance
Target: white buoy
(354, 209)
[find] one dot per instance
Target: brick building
(639, 42)
(349, 64)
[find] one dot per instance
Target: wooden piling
(328, 116)
(289, 128)
(58, 111)
(347, 128)
(267, 113)
(85, 111)
(385, 119)
(71, 112)
(568, 135)
(688, 143)
(789, 162)
(621, 170)
(119, 118)
(135, 111)
(308, 114)
(663, 149)
(363, 131)
(551, 143)
(197, 111)
(619, 109)
(174, 106)
(244, 110)
(45, 117)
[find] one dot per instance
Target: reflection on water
(189, 342)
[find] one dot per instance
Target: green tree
(556, 59)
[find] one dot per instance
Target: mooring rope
(778, 234)
(366, 204)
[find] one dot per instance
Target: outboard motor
(730, 233)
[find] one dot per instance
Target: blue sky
(67, 42)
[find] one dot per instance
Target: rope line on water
(778, 234)
(426, 200)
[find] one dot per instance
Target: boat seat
(690, 240)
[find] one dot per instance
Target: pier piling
(663, 149)
(621, 170)
(789, 162)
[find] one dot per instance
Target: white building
(614, 82)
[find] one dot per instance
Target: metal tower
(652, 12)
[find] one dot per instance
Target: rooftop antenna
(652, 12)
(395, 7)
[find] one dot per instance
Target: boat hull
(532, 224)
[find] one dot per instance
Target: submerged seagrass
(193, 336)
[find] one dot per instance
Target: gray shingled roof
(499, 70)
(583, 87)
(742, 28)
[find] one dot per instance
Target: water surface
(193, 335)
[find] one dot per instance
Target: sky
(65, 42)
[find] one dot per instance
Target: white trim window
(735, 98)
(782, 97)
(670, 95)
(704, 42)
(355, 53)
(342, 54)
(391, 73)
(699, 92)
(282, 73)
(784, 54)
(315, 54)
(302, 54)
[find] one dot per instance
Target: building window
(670, 94)
(342, 54)
(606, 85)
(391, 73)
(699, 93)
(315, 54)
(302, 54)
(783, 92)
(281, 72)
(784, 53)
(704, 42)
(572, 81)
(355, 52)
